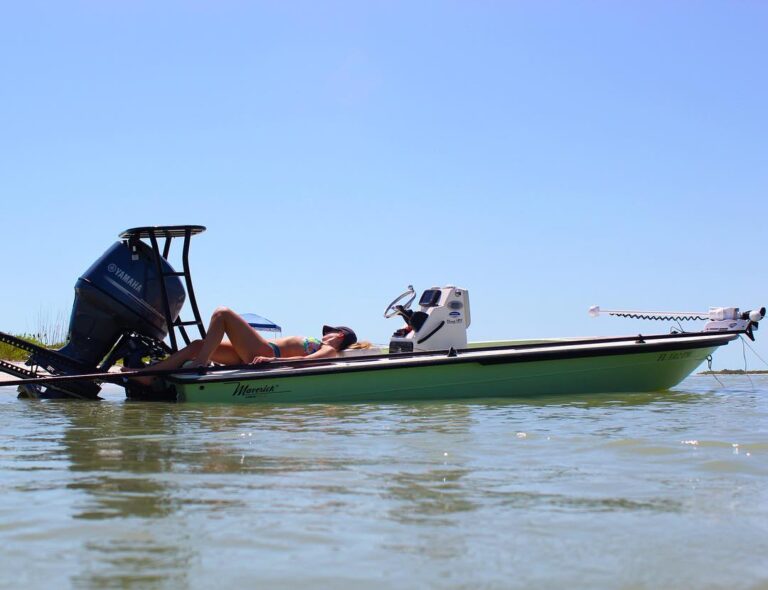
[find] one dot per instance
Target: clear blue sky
(547, 156)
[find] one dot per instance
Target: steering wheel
(391, 311)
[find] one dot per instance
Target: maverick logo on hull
(124, 276)
(246, 390)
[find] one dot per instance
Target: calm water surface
(607, 491)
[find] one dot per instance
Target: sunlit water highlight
(663, 490)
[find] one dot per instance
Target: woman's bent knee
(221, 312)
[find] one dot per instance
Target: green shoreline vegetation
(49, 331)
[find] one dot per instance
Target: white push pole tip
(594, 311)
(755, 315)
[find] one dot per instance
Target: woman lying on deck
(246, 346)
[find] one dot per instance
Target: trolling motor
(440, 323)
(125, 305)
(719, 319)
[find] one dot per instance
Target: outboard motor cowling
(121, 293)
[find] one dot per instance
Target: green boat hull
(643, 371)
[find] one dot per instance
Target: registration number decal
(674, 356)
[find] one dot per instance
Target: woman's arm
(325, 351)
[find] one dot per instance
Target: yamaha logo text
(124, 277)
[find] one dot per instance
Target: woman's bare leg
(245, 341)
(174, 361)
(225, 354)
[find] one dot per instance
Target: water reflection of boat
(128, 303)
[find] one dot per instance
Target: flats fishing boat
(127, 309)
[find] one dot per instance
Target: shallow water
(605, 491)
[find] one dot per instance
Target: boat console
(440, 323)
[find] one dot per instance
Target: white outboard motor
(440, 323)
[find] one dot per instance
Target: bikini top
(311, 345)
